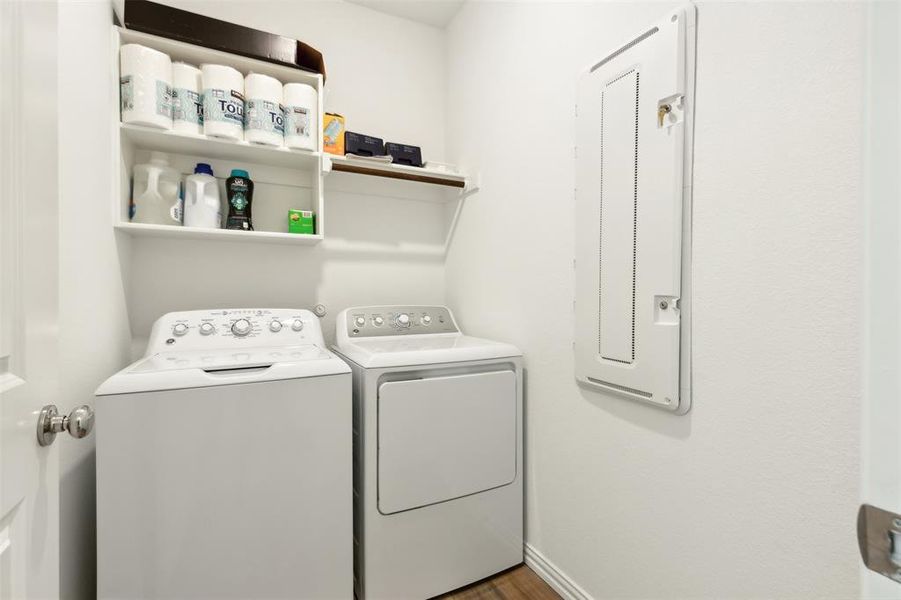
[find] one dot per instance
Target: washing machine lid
(185, 369)
(402, 351)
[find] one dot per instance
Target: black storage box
(363, 145)
(405, 155)
(184, 26)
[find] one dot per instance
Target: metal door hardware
(879, 539)
(79, 423)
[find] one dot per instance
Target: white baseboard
(554, 577)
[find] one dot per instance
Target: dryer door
(441, 438)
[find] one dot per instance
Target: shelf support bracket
(473, 184)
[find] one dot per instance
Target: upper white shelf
(176, 142)
(369, 167)
(198, 55)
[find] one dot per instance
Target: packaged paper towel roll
(145, 86)
(263, 120)
(223, 102)
(301, 110)
(187, 104)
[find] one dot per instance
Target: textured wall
(754, 492)
(383, 245)
(94, 334)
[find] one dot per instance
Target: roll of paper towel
(145, 86)
(263, 119)
(187, 104)
(301, 111)
(223, 102)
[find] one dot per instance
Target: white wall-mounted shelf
(349, 164)
(218, 148)
(283, 178)
(223, 235)
(198, 55)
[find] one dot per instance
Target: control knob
(180, 329)
(297, 325)
(206, 328)
(241, 327)
(403, 320)
(378, 321)
(426, 320)
(360, 321)
(275, 326)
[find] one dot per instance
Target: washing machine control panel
(241, 327)
(378, 321)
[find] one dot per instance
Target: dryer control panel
(234, 327)
(378, 321)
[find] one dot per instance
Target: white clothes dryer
(224, 462)
(438, 497)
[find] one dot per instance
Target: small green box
(301, 221)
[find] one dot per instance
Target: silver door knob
(79, 423)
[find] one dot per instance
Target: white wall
(384, 243)
(753, 493)
(94, 333)
(386, 75)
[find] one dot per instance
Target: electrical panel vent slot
(620, 388)
(618, 219)
(613, 55)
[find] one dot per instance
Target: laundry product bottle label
(126, 93)
(163, 99)
(297, 121)
(226, 106)
(188, 106)
(162, 103)
(239, 201)
(263, 115)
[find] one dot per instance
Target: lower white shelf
(225, 235)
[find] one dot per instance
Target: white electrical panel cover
(633, 216)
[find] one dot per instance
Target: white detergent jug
(155, 197)
(203, 207)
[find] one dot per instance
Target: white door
(879, 523)
(29, 515)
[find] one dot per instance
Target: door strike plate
(879, 539)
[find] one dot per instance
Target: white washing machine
(224, 462)
(438, 499)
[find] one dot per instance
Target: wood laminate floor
(518, 583)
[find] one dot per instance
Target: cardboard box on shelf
(301, 221)
(333, 133)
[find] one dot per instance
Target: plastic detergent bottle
(239, 189)
(155, 192)
(203, 207)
